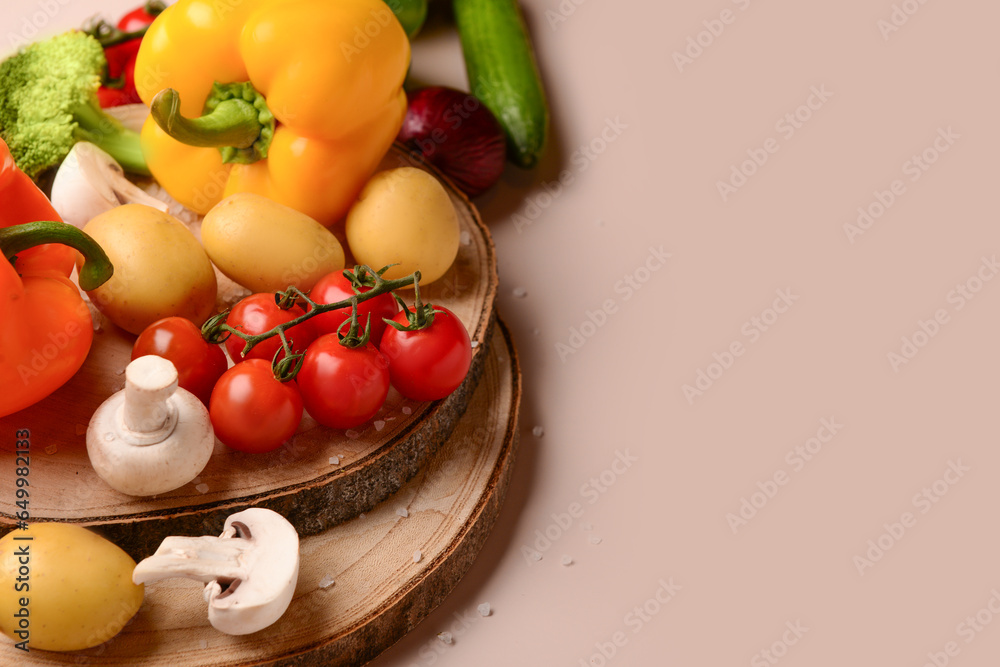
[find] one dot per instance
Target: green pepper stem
(96, 269)
(232, 123)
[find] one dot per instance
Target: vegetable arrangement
(267, 122)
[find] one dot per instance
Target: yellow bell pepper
(296, 100)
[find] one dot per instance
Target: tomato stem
(216, 326)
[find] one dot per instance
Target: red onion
(456, 133)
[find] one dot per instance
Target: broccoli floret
(48, 102)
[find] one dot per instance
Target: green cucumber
(503, 73)
(411, 14)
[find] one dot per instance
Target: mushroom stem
(149, 382)
(203, 559)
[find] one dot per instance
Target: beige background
(669, 466)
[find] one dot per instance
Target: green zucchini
(503, 73)
(411, 14)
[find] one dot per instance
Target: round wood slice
(379, 591)
(298, 480)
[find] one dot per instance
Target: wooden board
(379, 593)
(296, 480)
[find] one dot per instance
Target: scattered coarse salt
(586, 525)
(335, 460)
(51, 449)
(352, 434)
(361, 516)
(538, 431)
(445, 637)
(203, 644)
(519, 292)
(326, 581)
(417, 556)
(379, 424)
(202, 488)
(536, 556)
(567, 560)
(474, 343)
(465, 238)
(594, 539)
(407, 409)
(484, 609)
(403, 512)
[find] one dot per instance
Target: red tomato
(140, 17)
(430, 363)
(343, 387)
(253, 412)
(258, 313)
(199, 363)
(335, 287)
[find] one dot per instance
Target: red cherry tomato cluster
(329, 363)
(121, 46)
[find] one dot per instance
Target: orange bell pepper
(301, 99)
(45, 326)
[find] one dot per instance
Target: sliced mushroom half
(250, 571)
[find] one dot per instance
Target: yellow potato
(405, 217)
(160, 268)
(65, 589)
(266, 246)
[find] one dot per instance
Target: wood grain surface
(378, 592)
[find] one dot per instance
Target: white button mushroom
(151, 437)
(250, 571)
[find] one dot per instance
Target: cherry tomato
(199, 363)
(140, 17)
(258, 313)
(335, 287)
(343, 387)
(253, 412)
(430, 363)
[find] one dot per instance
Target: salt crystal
(484, 609)
(51, 449)
(361, 516)
(586, 525)
(335, 460)
(465, 238)
(594, 539)
(403, 512)
(538, 431)
(407, 409)
(536, 556)
(203, 644)
(417, 556)
(202, 488)
(379, 424)
(326, 581)
(474, 343)
(567, 560)
(352, 434)
(445, 637)
(519, 292)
